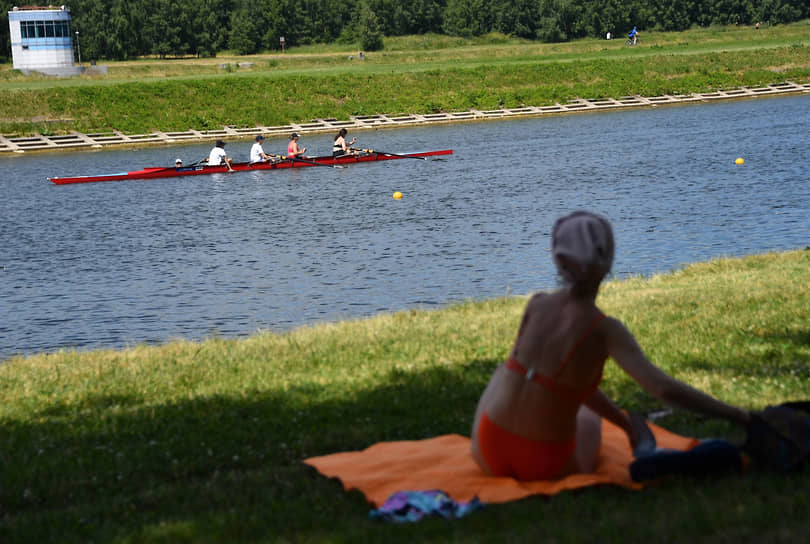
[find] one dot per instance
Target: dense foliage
(122, 29)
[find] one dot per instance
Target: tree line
(125, 29)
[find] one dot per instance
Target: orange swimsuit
(509, 454)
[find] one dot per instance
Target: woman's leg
(589, 442)
(478, 457)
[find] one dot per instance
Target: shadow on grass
(116, 465)
(229, 469)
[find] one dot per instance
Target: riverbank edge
(706, 266)
(102, 140)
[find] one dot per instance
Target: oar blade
(391, 154)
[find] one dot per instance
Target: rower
(293, 151)
(257, 153)
(341, 147)
(218, 156)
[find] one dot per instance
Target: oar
(313, 163)
(391, 154)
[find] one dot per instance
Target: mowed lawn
(204, 442)
(413, 74)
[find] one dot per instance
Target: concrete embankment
(76, 140)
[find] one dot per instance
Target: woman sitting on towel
(539, 417)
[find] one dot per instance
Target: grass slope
(412, 75)
(203, 442)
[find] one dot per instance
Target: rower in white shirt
(257, 153)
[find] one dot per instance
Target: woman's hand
(642, 440)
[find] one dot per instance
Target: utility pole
(78, 49)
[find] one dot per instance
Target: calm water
(111, 264)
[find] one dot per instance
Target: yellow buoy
(397, 195)
(739, 160)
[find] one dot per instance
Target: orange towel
(445, 463)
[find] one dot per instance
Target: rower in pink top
(540, 416)
(293, 150)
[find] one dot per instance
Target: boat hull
(198, 170)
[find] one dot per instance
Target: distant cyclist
(633, 35)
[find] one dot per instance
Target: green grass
(413, 74)
(203, 442)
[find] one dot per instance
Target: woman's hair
(587, 239)
(343, 132)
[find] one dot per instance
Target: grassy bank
(203, 442)
(412, 75)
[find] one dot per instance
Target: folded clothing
(409, 506)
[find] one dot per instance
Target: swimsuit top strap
(582, 339)
(572, 394)
(550, 382)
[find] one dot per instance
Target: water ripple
(112, 264)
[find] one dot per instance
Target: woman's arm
(622, 346)
(606, 408)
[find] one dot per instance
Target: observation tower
(42, 41)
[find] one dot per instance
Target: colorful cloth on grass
(410, 506)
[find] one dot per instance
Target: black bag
(779, 436)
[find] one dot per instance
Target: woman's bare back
(558, 342)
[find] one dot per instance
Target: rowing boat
(276, 164)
